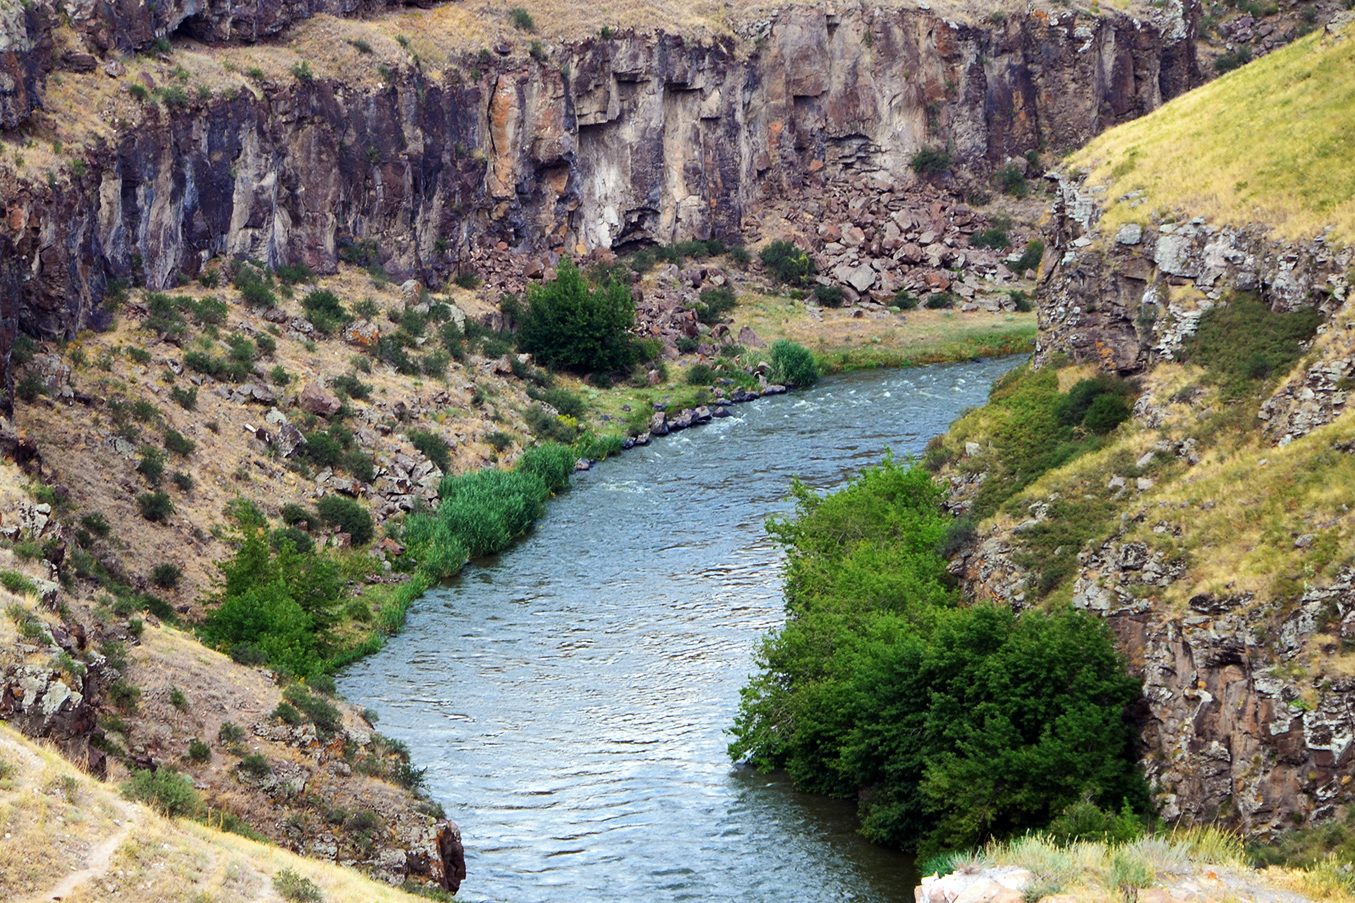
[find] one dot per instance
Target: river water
(569, 697)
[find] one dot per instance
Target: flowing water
(569, 697)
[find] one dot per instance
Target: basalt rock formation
(614, 142)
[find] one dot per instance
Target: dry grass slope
(65, 831)
(1272, 142)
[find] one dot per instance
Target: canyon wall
(608, 143)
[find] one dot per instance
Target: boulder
(317, 401)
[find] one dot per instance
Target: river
(569, 697)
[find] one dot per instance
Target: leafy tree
(949, 725)
(788, 262)
(275, 598)
(568, 325)
(348, 516)
(793, 363)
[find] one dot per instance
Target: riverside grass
(1272, 142)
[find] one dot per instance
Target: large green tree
(574, 327)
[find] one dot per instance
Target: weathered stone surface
(317, 401)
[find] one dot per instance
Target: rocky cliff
(1227, 581)
(592, 144)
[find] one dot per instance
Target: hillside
(1268, 145)
(70, 837)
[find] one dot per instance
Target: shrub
(293, 514)
(166, 575)
(300, 540)
(498, 440)
(255, 765)
(155, 506)
(739, 255)
(828, 295)
(931, 161)
(302, 72)
(178, 443)
(1106, 412)
(563, 400)
(325, 311)
(1244, 341)
(287, 713)
(433, 447)
(296, 889)
(17, 583)
(151, 465)
(1012, 180)
(788, 262)
(714, 304)
(1031, 257)
(186, 398)
(792, 363)
(700, 375)
(327, 719)
(1231, 60)
(351, 387)
(348, 515)
(994, 237)
(230, 733)
(950, 725)
(183, 481)
(905, 300)
(198, 751)
(165, 790)
(1021, 302)
(939, 301)
(521, 19)
(570, 326)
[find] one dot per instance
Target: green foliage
(17, 583)
(994, 237)
(931, 161)
(700, 375)
(1030, 258)
(788, 262)
(949, 725)
(348, 515)
(296, 889)
(1012, 180)
(828, 295)
(793, 363)
(165, 790)
(198, 751)
(255, 765)
(278, 601)
(566, 402)
(714, 304)
(521, 19)
(939, 301)
(1243, 342)
(327, 719)
(166, 575)
(1085, 821)
(433, 447)
(1107, 411)
(230, 733)
(905, 300)
(151, 464)
(1233, 59)
(185, 398)
(570, 326)
(325, 311)
(155, 506)
(179, 444)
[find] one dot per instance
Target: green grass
(1272, 142)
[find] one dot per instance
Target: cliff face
(1248, 714)
(635, 139)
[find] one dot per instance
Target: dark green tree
(570, 326)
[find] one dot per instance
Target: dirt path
(97, 863)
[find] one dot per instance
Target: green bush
(1030, 258)
(275, 604)
(521, 19)
(1012, 180)
(186, 398)
(166, 575)
(1243, 341)
(1106, 412)
(788, 262)
(994, 237)
(828, 295)
(230, 733)
(296, 889)
(179, 444)
(905, 300)
(433, 447)
(155, 506)
(794, 364)
(165, 790)
(325, 311)
(255, 765)
(700, 375)
(939, 301)
(151, 465)
(570, 326)
(327, 719)
(1233, 59)
(949, 725)
(714, 304)
(348, 515)
(17, 583)
(931, 161)
(293, 514)
(198, 751)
